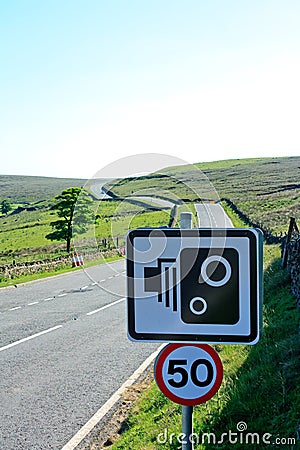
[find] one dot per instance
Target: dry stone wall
(268, 236)
(294, 267)
(10, 271)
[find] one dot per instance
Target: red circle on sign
(158, 369)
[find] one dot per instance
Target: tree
(73, 208)
(5, 207)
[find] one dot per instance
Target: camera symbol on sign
(206, 282)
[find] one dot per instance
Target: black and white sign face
(188, 374)
(194, 285)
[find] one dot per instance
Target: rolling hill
(19, 189)
(266, 189)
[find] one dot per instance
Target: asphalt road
(96, 188)
(63, 352)
(155, 200)
(212, 215)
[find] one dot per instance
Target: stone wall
(294, 267)
(10, 271)
(268, 236)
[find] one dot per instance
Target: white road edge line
(95, 419)
(29, 337)
(105, 307)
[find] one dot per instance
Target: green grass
(119, 226)
(115, 218)
(261, 384)
(25, 230)
(22, 235)
(238, 223)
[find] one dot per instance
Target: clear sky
(85, 82)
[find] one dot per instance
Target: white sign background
(153, 318)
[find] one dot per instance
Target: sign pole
(186, 221)
(187, 427)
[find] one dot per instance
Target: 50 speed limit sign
(188, 374)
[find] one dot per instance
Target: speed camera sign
(201, 285)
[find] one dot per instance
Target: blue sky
(84, 83)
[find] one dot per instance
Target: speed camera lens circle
(219, 260)
(195, 301)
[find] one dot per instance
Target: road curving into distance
(212, 215)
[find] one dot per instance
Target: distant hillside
(267, 189)
(30, 189)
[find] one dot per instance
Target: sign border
(255, 249)
(158, 366)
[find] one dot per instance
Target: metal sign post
(186, 223)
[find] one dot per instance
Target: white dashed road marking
(13, 344)
(57, 326)
(105, 307)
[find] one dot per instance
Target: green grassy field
(22, 235)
